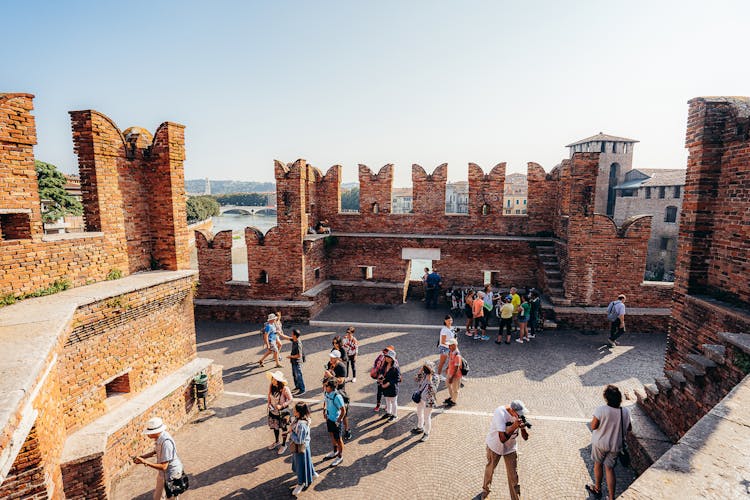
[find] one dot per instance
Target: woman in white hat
(279, 401)
(167, 462)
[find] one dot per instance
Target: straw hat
(155, 426)
(278, 376)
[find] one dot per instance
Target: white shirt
(612, 423)
(449, 334)
(500, 418)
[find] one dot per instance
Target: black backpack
(464, 366)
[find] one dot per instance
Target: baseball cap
(518, 406)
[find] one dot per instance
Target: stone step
(559, 301)
(549, 324)
(716, 353)
(663, 384)
(554, 282)
(676, 378)
(693, 374)
(556, 291)
(552, 272)
(651, 390)
(701, 362)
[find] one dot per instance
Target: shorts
(523, 319)
(606, 457)
(334, 428)
(468, 311)
(273, 346)
(443, 350)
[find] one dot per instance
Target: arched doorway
(614, 174)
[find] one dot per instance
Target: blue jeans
(299, 382)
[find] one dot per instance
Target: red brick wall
(26, 477)
(124, 333)
(428, 191)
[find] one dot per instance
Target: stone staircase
(552, 283)
(682, 395)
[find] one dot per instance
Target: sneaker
(299, 393)
(424, 438)
(282, 449)
(450, 403)
(391, 418)
(376, 409)
(519, 341)
(611, 343)
(337, 461)
(498, 342)
(298, 489)
(274, 445)
(354, 380)
(485, 337)
(347, 434)
(532, 336)
(385, 415)
(331, 454)
(417, 430)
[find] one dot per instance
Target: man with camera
(507, 423)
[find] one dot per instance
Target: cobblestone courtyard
(559, 375)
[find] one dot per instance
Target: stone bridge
(248, 210)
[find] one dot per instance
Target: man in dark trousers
(616, 317)
(433, 288)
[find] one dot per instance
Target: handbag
(417, 395)
(298, 447)
(176, 486)
(624, 455)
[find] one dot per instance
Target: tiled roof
(601, 136)
(656, 177)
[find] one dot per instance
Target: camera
(523, 419)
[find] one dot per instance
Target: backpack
(612, 312)
(464, 366)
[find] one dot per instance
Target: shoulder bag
(624, 454)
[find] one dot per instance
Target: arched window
(670, 215)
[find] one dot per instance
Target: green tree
(57, 201)
(243, 199)
(201, 208)
(350, 199)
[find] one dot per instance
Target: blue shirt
(270, 329)
(433, 279)
(334, 403)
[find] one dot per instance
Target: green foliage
(243, 199)
(52, 191)
(350, 200)
(201, 208)
(57, 286)
(114, 274)
(742, 361)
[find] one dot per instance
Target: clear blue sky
(376, 82)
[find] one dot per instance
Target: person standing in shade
(433, 288)
(536, 308)
(501, 442)
(302, 463)
(446, 333)
(351, 347)
(335, 410)
(427, 384)
(269, 340)
(505, 311)
(609, 426)
(454, 373)
(390, 382)
(524, 312)
(424, 282)
(167, 462)
(297, 359)
(515, 299)
(616, 317)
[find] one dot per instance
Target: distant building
(402, 201)
(457, 197)
(657, 192)
(207, 191)
(615, 160)
(515, 194)
(270, 198)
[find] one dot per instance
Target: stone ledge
(634, 311)
(253, 302)
(71, 236)
(739, 340)
(317, 289)
(443, 236)
(709, 461)
(367, 284)
(92, 439)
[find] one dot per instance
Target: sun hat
(391, 354)
(518, 406)
(155, 426)
(389, 348)
(451, 342)
(271, 317)
(277, 375)
(334, 354)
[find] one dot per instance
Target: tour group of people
(291, 420)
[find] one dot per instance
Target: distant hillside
(226, 187)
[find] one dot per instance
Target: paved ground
(560, 376)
